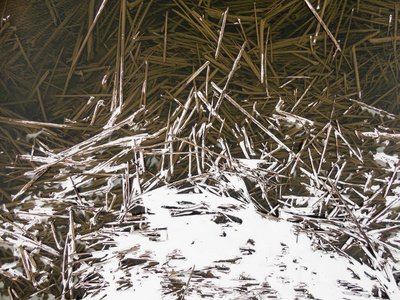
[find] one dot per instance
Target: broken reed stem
(252, 119)
(265, 79)
(144, 86)
(354, 219)
(184, 84)
(256, 24)
(384, 40)
(319, 24)
(90, 21)
(122, 54)
(41, 104)
(396, 21)
(182, 296)
(221, 33)
(353, 49)
(315, 13)
(230, 75)
(38, 125)
(262, 62)
(303, 95)
(78, 54)
(40, 171)
(24, 53)
(165, 37)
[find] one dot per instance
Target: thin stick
(323, 24)
(230, 75)
(353, 49)
(144, 86)
(25, 264)
(30, 242)
(165, 37)
(76, 57)
(90, 21)
(319, 24)
(192, 77)
(38, 124)
(198, 71)
(38, 174)
(53, 231)
(182, 296)
(302, 96)
(252, 118)
(382, 135)
(76, 192)
(243, 33)
(389, 39)
(256, 21)
(44, 76)
(362, 232)
(396, 20)
(325, 147)
(24, 54)
(41, 104)
(262, 25)
(265, 79)
(389, 185)
(221, 33)
(122, 53)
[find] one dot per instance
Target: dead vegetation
(105, 100)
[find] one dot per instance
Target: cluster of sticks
(168, 92)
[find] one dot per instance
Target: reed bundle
(103, 101)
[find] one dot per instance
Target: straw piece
(382, 135)
(356, 72)
(319, 24)
(221, 32)
(26, 123)
(384, 40)
(252, 118)
(367, 240)
(90, 21)
(77, 55)
(122, 54)
(165, 37)
(234, 67)
(24, 54)
(303, 95)
(315, 13)
(191, 78)
(29, 242)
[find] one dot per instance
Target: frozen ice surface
(231, 251)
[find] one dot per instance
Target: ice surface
(245, 255)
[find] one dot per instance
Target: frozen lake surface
(213, 246)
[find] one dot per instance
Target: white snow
(384, 159)
(242, 260)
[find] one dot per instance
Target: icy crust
(104, 225)
(386, 160)
(194, 239)
(215, 246)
